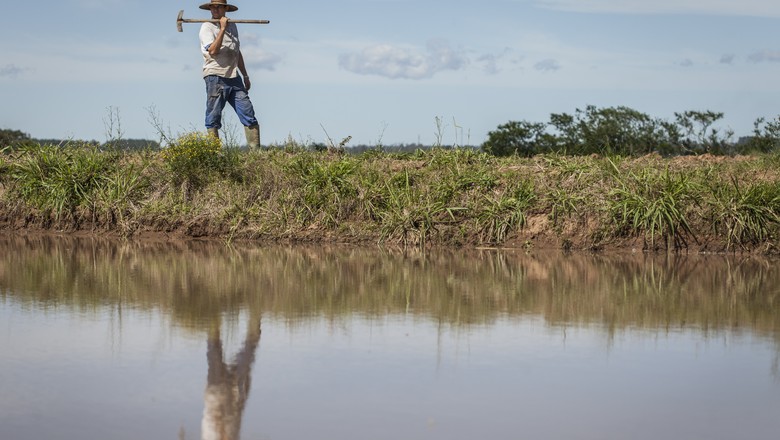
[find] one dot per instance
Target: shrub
(13, 138)
(622, 131)
(514, 138)
(194, 159)
(765, 139)
(698, 135)
(611, 130)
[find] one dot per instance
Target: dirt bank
(447, 198)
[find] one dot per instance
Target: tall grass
(196, 187)
(56, 179)
(655, 204)
(747, 213)
(501, 214)
(409, 213)
(326, 186)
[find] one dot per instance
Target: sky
(387, 71)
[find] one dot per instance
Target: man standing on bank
(222, 60)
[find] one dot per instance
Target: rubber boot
(252, 136)
(213, 132)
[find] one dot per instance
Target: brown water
(102, 339)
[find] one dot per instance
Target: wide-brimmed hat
(230, 8)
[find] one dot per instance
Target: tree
(515, 137)
(617, 130)
(766, 137)
(12, 138)
(625, 131)
(698, 134)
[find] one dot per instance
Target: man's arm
(213, 50)
(242, 68)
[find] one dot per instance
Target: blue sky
(385, 70)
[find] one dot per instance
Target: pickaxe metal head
(179, 20)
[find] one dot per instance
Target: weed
(4, 166)
(505, 212)
(326, 185)
(58, 179)
(747, 215)
(410, 213)
(563, 203)
(655, 205)
(120, 193)
(195, 159)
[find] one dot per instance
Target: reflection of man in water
(228, 385)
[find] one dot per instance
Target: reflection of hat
(230, 8)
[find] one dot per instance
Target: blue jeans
(221, 90)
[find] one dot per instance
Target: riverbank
(441, 197)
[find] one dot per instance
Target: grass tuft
(654, 204)
(60, 179)
(748, 213)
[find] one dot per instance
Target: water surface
(102, 339)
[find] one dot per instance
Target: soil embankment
(442, 197)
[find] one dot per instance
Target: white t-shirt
(225, 63)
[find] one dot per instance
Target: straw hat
(230, 8)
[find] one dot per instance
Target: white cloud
(727, 58)
(491, 63)
(759, 8)
(98, 60)
(260, 59)
(772, 56)
(548, 65)
(396, 62)
(98, 4)
(255, 55)
(687, 62)
(10, 71)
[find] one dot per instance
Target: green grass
(449, 197)
(60, 179)
(654, 204)
(747, 213)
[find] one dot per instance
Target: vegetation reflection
(201, 286)
(197, 283)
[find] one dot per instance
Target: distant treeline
(17, 138)
(625, 131)
(394, 148)
(608, 130)
(122, 144)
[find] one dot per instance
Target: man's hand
(223, 22)
(247, 83)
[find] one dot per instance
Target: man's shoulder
(207, 32)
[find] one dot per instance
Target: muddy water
(102, 339)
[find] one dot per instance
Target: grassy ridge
(448, 197)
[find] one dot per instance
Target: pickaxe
(180, 20)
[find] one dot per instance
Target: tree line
(625, 131)
(607, 130)
(17, 138)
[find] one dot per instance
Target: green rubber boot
(252, 136)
